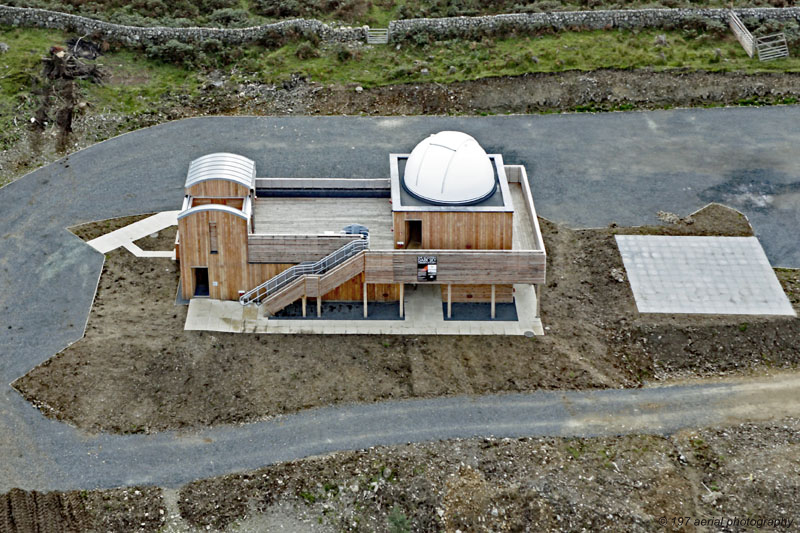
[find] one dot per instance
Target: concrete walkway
(423, 316)
(126, 236)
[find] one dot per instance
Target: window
(212, 236)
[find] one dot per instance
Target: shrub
(213, 5)
(343, 53)
(173, 52)
(230, 17)
(277, 8)
(306, 50)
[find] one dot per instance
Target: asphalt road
(64, 458)
(586, 170)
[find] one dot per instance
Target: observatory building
(449, 215)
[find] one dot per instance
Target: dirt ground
(137, 370)
(628, 483)
(598, 90)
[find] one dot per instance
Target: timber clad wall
(458, 231)
(229, 266)
(458, 267)
(479, 293)
(218, 189)
(293, 248)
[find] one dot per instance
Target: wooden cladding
(458, 230)
(458, 267)
(293, 248)
(478, 293)
(218, 189)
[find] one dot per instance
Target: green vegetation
(17, 68)
(398, 521)
(137, 81)
(452, 61)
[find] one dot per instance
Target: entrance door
(200, 281)
(413, 234)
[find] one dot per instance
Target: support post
(538, 298)
(449, 301)
(319, 306)
(304, 306)
(493, 300)
(365, 299)
(402, 290)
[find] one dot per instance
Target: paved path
(424, 315)
(73, 460)
(586, 170)
(131, 233)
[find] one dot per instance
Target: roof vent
(449, 168)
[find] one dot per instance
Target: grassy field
(453, 61)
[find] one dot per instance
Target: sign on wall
(426, 268)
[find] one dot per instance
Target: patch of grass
(18, 68)
(453, 61)
(136, 82)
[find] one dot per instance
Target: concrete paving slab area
(423, 310)
(125, 237)
(701, 275)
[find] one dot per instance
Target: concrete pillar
(319, 306)
(538, 298)
(365, 299)
(402, 290)
(304, 306)
(449, 301)
(493, 300)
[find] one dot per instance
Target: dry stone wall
(476, 27)
(399, 30)
(140, 36)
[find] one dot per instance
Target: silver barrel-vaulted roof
(222, 166)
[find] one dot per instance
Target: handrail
(331, 260)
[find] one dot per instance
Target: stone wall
(399, 30)
(476, 27)
(139, 36)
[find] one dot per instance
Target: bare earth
(630, 483)
(137, 370)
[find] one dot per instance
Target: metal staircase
(377, 36)
(284, 280)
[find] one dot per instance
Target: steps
(287, 278)
(321, 285)
(377, 36)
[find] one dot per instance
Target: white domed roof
(449, 167)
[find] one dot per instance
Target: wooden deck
(315, 216)
(523, 236)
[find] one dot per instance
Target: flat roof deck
(316, 216)
(524, 235)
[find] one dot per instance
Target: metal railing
(275, 284)
(767, 48)
(771, 47)
(741, 32)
